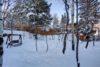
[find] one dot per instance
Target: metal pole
(1, 35)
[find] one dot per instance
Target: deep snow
(27, 56)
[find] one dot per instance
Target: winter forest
(49, 33)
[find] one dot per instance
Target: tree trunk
(47, 44)
(77, 36)
(1, 36)
(67, 12)
(72, 21)
(64, 43)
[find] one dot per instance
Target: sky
(57, 7)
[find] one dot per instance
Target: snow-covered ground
(27, 56)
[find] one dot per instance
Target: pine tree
(42, 10)
(55, 21)
(63, 20)
(39, 8)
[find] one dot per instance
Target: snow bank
(27, 56)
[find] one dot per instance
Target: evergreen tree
(63, 20)
(55, 21)
(42, 10)
(39, 8)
